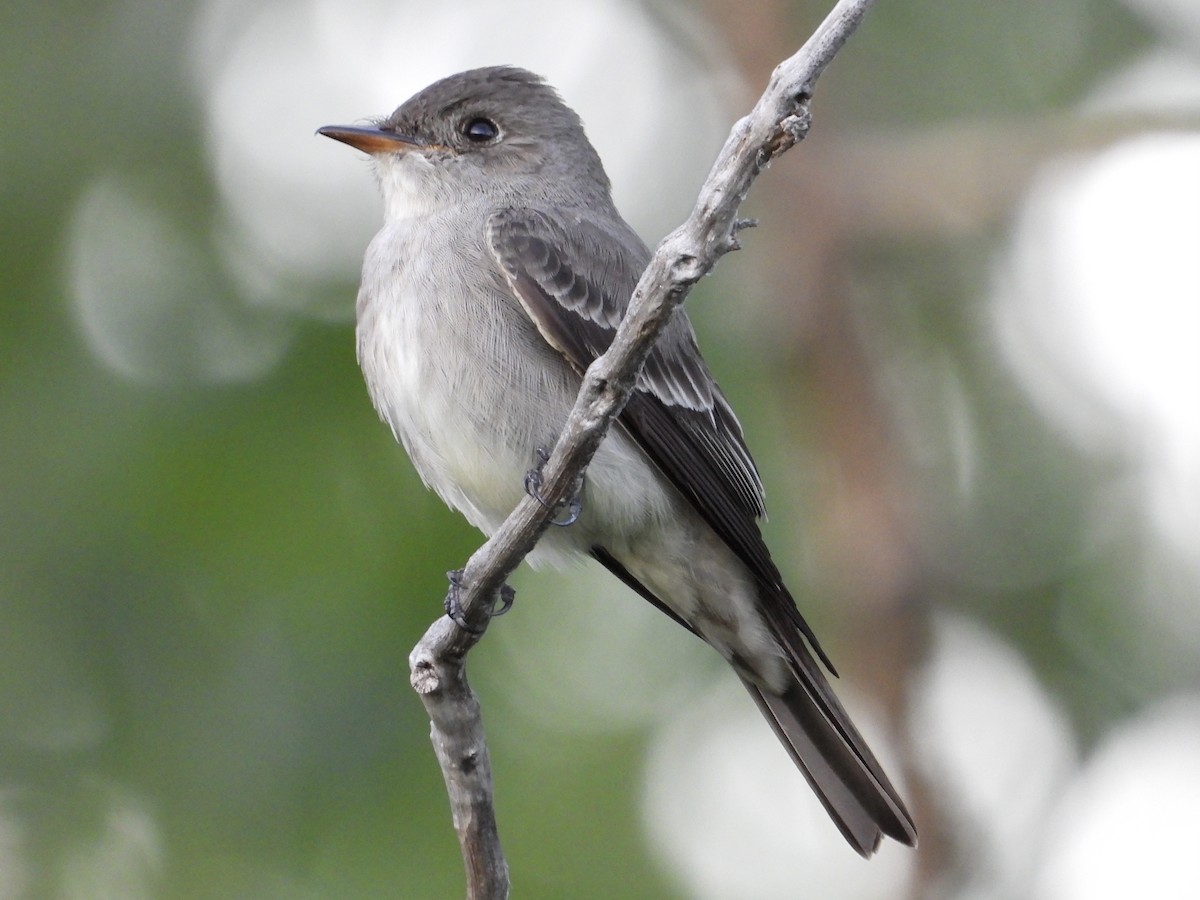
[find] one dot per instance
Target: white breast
(469, 387)
(455, 367)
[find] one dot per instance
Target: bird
(501, 271)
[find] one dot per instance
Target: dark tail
(816, 730)
(839, 767)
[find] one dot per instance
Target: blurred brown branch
(964, 177)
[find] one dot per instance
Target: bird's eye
(480, 130)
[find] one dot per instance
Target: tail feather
(815, 728)
(813, 725)
(839, 767)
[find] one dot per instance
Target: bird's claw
(454, 607)
(533, 484)
(507, 596)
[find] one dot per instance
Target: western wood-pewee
(502, 270)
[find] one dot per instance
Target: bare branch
(778, 120)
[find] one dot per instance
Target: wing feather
(574, 280)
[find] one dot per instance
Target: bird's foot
(533, 485)
(457, 614)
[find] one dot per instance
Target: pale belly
(472, 391)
